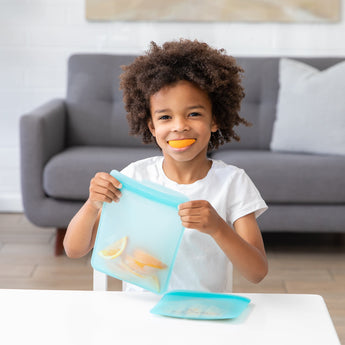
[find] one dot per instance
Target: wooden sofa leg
(60, 235)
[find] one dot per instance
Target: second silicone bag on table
(138, 237)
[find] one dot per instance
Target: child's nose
(180, 125)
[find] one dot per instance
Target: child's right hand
(103, 188)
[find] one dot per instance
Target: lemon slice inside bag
(115, 249)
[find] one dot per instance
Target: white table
(109, 317)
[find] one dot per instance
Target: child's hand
(103, 188)
(200, 215)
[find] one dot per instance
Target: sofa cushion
(68, 174)
(292, 178)
(310, 110)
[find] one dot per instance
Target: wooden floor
(309, 264)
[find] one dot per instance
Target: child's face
(182, 111)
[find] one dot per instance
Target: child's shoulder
(220, 167)
(230, 174)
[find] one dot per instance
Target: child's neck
(186, 172)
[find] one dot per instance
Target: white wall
(37, 36)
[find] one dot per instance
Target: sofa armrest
(42, 135)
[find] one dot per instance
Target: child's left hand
(200, 215)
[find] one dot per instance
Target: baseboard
(11, 202)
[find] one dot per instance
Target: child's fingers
(192, 204)
(194, 208)
(102, 197)
(108, 194)
(191, 219)
(200, 215)
(107, 180)
(108, 187)
(105, 185)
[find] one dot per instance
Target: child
(186, 97)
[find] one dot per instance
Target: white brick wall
(37, 36)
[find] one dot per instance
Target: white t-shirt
(200, 263)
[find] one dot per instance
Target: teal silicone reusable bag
(200, 305)
(138, 237)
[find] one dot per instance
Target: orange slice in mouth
(179, 144)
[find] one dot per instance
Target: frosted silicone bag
(200, 305)
(148, 216)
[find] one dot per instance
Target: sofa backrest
(261, 83)
(96, 115)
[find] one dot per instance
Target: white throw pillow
(310, 110)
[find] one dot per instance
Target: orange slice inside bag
(142, 259)
(179, 144)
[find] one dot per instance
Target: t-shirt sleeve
(245, 198)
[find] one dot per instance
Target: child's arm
(81, 232)
(243, 246)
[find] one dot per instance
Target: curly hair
(211, 70)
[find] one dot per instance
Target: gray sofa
(66, 141)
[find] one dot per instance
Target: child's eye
(164, 117)
(194, 114)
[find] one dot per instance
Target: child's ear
(151, 127)
(214, 126)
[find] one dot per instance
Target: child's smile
(182, 121)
